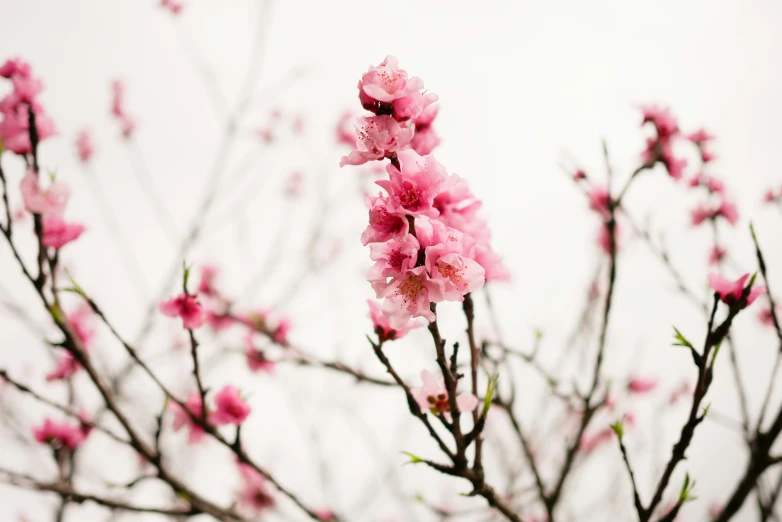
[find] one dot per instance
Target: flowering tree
(429, 248)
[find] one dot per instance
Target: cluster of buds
(21, 107)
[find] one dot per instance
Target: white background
(524, 87)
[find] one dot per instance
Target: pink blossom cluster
(724, 209)
(660, 147)
(229, 408)
(211, 307)
(425, 237)
(254, 496)
(127, 124)
(402, 116)
(720, 207)
(50, 204)
(85, 146)
(67, 365)
(599, 199)
(20, 106)
(278, 120)
(62, 435)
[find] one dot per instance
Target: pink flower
(590, 442)
(493, 268)
(716, 254)
(640, 385)
(57, 233)
(206, 285)
(700, 137)
(378, 137)
(410, 295)
(414, 187)
(346, 133)
(598, 200)
(382, 328)
(49, 202)
(706, 155)
(425, 138)
(386, 83)
(433, 396)
(765, 316)
(185, 306)
(662, 119)
(712, 184)
(85, 147)
(183, 418)
(726, 209)
(127, 124)
(229, 407)
(254, 494)
(391, 259)
(16, 106)
(730, 292)
(579, 174)
(256, 360)
(60, 434)
(449, 260)
(729, 211)
(67, 366)
(294, 185)
(683, 390)
(325, 514)
(674, 166)
(216, 321)
(385, 221)
(172, 5)
(458, 208)
(13, 67)
(79, 323)
(412, 106)
(280, 334)
(604, 238)
(700, 214)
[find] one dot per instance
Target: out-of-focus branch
(64, 490)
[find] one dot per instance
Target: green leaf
(56, 313)
(492, 386)
(414, 459)
(752, 279)
(76, 288)
(186, 275)
(752, 231)
(618, 429)
(686, 492)
(682, 340)
(716, 351)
